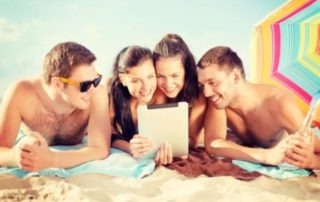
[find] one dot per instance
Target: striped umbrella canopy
(286, 49)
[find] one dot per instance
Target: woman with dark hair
(133, 83)
(177, 81)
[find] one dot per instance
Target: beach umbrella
(286, 49)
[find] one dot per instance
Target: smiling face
(71, 93)
(218, 85)
(170, 75)
(140, 81)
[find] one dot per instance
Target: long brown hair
(127, 58)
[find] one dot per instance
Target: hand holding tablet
(165, 123)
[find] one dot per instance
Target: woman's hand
(139, 145)
(164, 154)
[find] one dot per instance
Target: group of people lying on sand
(69, 102)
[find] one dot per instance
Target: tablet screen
(165, 123)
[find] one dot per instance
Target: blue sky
(29, 29)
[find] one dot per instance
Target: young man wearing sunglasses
(59, 108)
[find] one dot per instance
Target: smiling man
(260, 115)
(59, 108)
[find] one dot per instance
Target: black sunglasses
(84, 85)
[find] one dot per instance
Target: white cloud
(73, 7)
(9, 31)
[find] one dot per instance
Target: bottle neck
(307, 122)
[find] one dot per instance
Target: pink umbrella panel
(287, 49)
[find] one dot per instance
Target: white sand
(163, 185)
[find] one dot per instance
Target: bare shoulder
(283, 104)
(21, 91)
(19, 100)
(271, 95)
(21, 86)
(288, 105)
(10, 115)
(280, 97)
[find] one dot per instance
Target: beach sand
(162, 185)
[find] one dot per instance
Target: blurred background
(29, 29)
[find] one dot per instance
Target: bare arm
(122, 145)
(196, 120)
(10, 120)
(303, 153)
(215, 127)
(216, 134)
(99, 132)
(216, 143)
(38, 156)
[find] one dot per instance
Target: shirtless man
(258, 114)
(59, 108)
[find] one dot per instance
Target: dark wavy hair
(172, 45)
(127, 58)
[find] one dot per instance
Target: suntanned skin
(56, 128)
(141, 83)
(306, 154)
(259, 114)
(54, 114)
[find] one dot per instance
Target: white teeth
(145, 93)
(214, 98)
(170, 90)
(86, 99)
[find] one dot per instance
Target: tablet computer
(165, 123)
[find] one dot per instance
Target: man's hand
(34, 153)
(302, 153)
(139, 145)
(276, 154)
(164, 154)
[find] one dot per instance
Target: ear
(236, 75)
(56, 83)
(123, 79)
